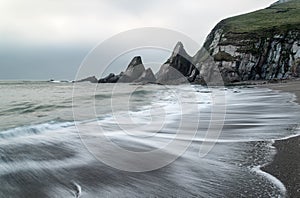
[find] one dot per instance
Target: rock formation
(135, 72)
(91, 79)
(262, 45)
(111, 78)
(178, 68)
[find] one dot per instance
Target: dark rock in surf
(111, 78)
(91, 79)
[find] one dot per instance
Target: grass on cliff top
(281, 17)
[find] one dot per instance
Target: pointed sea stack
(178, 68)
(135, 73)
(134, 70)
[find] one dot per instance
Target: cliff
(261, 45)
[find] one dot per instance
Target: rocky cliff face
(244, 56)
(262, 45)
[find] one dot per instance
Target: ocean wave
(53, 149)
(25, 108)
(44, 108)
(34, 129)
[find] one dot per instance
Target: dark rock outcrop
(133, 72)
(91, 79)
(179, 68)
(111, 78)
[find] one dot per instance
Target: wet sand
(286, 86)
(286, 164)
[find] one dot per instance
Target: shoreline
(286, 163)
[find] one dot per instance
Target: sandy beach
(286, 86)
(286, 164)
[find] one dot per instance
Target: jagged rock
(255, 46)
(133, 72)
(111, 78)
(180, 60)
(210, 73)
(269, 58)
(194, 74)
(296, 68)
(200, 80)
(146, 77)
(91, 79)
(178, 68)
(170, 75)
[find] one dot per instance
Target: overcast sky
(43, 39)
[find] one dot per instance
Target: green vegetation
(276, 18)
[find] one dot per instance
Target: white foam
(289, 137)
(81, 157)
(34, 129)
(77, 193)
(271, 178)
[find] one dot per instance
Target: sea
(61, 139)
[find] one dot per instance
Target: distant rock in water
(133, 72)
(91, 79)
(178, 69)
(111, 78)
